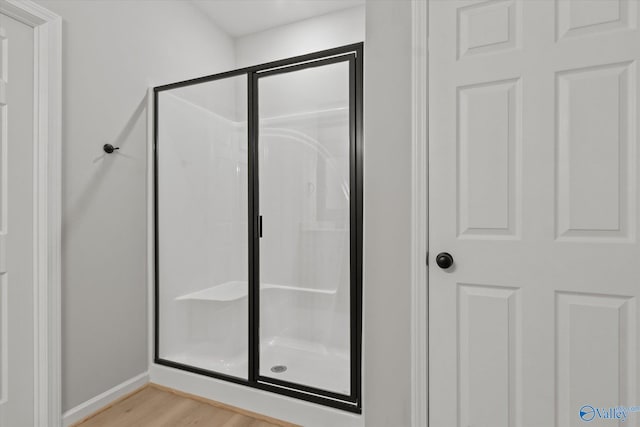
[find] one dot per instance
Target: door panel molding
(609, 320)
(580, 144)
(489, 337)
(489, 200)
(47, 28)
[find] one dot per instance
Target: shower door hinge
(260, 226)
(427, 259)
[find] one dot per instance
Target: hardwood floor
(156, 406)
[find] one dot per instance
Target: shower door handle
(260, 226)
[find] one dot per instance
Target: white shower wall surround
(201, 217)
(211, 302)
(305, 120)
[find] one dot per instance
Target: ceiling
(241, 17)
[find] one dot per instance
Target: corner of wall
(93, 405)
(387, 212)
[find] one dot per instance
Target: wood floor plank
(268, 420)
(178, 413)
(239, 420)
(131, 411)
(205, 416)
(155, 406)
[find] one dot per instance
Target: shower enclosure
(258, 226)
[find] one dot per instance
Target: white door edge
(419, 217)
(47, 205)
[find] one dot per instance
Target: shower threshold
(305, 362)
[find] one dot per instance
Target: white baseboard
(87, 408)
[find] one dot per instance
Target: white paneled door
(534, 193)
(16, 223)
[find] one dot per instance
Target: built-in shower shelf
(231, 291)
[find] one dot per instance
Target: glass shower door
(258, 226)
(306, 148)
(201, 227)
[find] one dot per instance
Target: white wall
(310, 35)
(113, 51)
(387, 214)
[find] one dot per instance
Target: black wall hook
(108, 148)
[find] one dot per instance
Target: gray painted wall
(113, 51)
(387, 205)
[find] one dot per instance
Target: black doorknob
(444, 260)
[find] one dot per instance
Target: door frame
(47, 28)
(419, 216)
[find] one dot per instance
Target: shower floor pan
(306, 363)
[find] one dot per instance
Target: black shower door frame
(353, 54)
